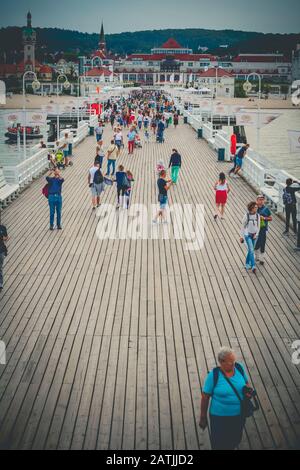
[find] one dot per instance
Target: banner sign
(255, 119)
(221, 109)
(205, 105)
(2, 92)
(59, 109)
(30, 118)
(294, 139)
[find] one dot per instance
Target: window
(191, 64)
(227, 91)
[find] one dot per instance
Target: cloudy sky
(280, 16)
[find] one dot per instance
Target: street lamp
(66, 86)
(35, 86)
(217, 67)
(248, 87)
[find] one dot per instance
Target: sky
(267, 16)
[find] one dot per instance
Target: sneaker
(254, 271)
(93, 208)
(51, 228)
(215, 218)
(59, 227)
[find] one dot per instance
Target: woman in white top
(222, 190)
(249, 233)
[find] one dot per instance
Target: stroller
(137, 142)
(60, 160)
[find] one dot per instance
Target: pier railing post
(298, 221)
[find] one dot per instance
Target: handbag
(45, 191)
(247, 407)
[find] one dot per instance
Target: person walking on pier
(55, 182)
(222, 190)
(176, 120)
(3, 252)
(265, 218)
(99, 132)
(249, 234)
(96, 184)
(112, 154)
(164, 186)
(121, 180)
(290, 204)
(100, 154)
(223, 393)
(175, 165)
(131, 140)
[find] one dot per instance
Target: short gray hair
(224, 351)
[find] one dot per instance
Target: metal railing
(257, 170)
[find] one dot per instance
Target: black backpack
(287, 197)
(98, 177)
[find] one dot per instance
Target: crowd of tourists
(144, 118)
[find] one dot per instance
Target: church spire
(29, 18)
(102, 42)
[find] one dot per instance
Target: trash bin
(92, 130)
(200, 134)
(185, 120)
(221, 155)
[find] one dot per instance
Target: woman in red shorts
(222, 190)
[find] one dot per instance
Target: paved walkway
(109, 342)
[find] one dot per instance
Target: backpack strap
(216, 373)
(240, 368)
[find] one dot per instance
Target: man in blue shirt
(265, 218)
(160, 131)
(55, 182)
(238, 160)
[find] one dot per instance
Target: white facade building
(220, 82)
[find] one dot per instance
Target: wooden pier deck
(109, 342)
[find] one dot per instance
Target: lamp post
(66, 85)
(78, 94)
(248, 87)
(35, 85)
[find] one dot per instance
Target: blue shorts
(97, 189)
(163, 201)
(239, 162)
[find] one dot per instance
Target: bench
(8, 192)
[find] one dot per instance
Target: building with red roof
(220, 82)
(170, 62)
